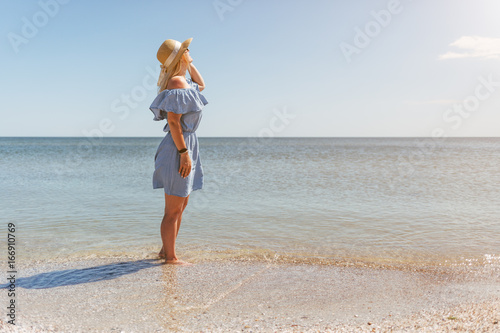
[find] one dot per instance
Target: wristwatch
(183, 150)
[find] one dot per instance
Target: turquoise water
(391, 200)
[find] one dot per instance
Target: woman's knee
(173, 213)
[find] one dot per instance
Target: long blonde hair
(174, 70)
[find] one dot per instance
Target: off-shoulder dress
(189, 102)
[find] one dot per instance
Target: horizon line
(254, 137)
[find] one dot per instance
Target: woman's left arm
(196, 76)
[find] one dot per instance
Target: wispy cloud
(474, 47)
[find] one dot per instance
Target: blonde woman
(178, 168)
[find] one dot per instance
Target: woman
(178, 167)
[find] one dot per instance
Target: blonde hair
(174, 70)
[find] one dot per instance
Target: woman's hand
(185, 165)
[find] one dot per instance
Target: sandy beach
(130, 295)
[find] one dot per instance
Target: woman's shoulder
(178, 82)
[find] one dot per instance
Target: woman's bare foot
(173, 261)
(176, 261)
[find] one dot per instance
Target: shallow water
(387, 200)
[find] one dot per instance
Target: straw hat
(170, 52)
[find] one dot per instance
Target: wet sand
(130, 295)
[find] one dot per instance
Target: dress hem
(177, 195)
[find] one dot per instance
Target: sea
(392, 201)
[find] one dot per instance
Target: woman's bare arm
(174, 122)
(196, 76)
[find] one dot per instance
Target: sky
(282, 68)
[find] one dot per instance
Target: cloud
(474, 47)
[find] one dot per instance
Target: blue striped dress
(189, 102)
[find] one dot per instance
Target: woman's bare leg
(180, 218)
(174, 207)
(161, 254)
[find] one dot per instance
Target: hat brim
(178, 57)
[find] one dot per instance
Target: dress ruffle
(179, 101)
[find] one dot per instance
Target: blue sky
(272, 68)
